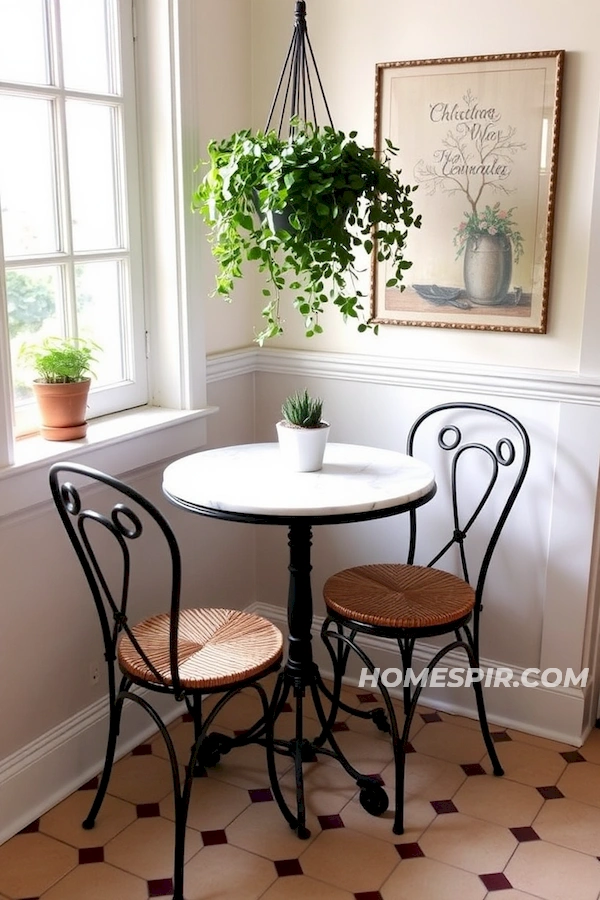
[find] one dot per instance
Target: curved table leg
(299, 673)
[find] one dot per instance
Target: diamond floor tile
(348, 860)
(98, 881)
(429, 879)
(468, 843)
(445, 740)
(63, 822)
(528, 764)
(300, 887)
(224, 872)
(261, 829)
(146, 848)
(581, 781)
(213, 805)
(32, 863)
(570, 824)
(498, 800)
(554, 873)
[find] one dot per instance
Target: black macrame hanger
(294, 93)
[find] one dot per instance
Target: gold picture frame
(478, 137)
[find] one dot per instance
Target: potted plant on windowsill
(63, 367)
(302, 433)
(324, 200)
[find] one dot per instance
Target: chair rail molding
(534, 384)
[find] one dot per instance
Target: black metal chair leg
(406, 651)
(473, 654)
(181, 813)
(485, 730)
(339, 662)
(181, 796)
(182, 805)
(399, 747)
(113, 733)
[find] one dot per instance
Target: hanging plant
(323, 199)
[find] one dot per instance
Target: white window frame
(169, 107)
(132, 390)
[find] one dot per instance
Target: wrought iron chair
(485, 453)
(185, 653)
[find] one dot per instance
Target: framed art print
(478, 138)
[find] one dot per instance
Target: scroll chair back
(482, 457)
(187, 653)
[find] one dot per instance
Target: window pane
(100, 315)
(33, 313)
(27, 177)
(85, 45)
(22, 41)
(90, 136)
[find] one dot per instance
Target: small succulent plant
(302, 410)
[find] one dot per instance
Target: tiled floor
(533, 834)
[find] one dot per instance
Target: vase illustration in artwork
(487, 268)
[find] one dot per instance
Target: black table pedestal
(300, 675)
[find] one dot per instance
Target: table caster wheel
(380, 719)
(209, 754)
(374, 800)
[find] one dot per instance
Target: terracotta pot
(62, 409)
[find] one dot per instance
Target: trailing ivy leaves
(322, 197)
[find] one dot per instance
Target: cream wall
(349, 37)
(223, 57)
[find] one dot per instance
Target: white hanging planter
(302, 449)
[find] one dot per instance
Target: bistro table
(250, 483)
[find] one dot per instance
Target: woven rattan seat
(476, 451)
(184, 653)
(217, 647)
(398, 596)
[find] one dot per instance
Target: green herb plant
(322, 199)
(302, 410)
(60, 360)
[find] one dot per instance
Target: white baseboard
(41, 774)
(555, 713)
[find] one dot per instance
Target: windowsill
(117, 443)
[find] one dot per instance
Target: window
(87, 253)
(69, 220)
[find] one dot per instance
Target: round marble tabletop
(252, 480)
